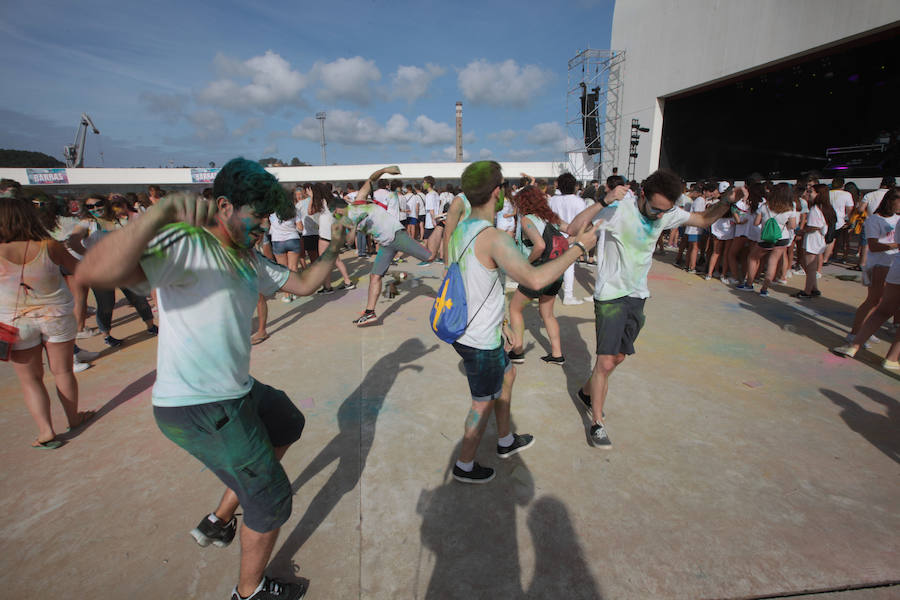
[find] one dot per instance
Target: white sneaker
(86, 333)
(849, 340)
(818, 276)
(572, 300)
(78, 366)
(86, 356)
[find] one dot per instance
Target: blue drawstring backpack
(450, 309)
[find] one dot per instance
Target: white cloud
(346, 79)
(433, 132)
(209, 125)
(544, 134)
(272, 83)
(270, 150)
(449, 153)
(411, 82)
(350, 127)
(483, 154)
(501, 84)
(521, 154)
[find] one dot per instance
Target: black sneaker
(112, 342)
(586, 401)
(153, 330)
(516, 357)
(520, 442)
(365, 319)
(326, 291)
(219, 534)
(347, 286)
(478, 474)
(272, 589)
(554, 360)
(599, 437)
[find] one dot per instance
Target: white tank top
(47, 294)
(484, 293)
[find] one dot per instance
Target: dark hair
(888, 181)
(565, 183)
(246, 183)
(884, 208)
(837, 183)
(48, 208)
(10, 184)
(853, 190)
(823, 201)
(753, 177)
(103, 204)
(429, 180)
(396, 184)
(663, 182)
(614, 181)
(20, 221)
(319, 199)
(755, 195)
(779, 200)
(532, 201)
(479, 180)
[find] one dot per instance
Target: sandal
(254, 340)
(83, 417)
(48, 445)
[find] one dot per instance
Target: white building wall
(673, 46)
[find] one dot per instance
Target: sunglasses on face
(658, 211)
(97, 205)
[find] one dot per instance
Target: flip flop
(48, 445)
(85, 416)
(258, 340)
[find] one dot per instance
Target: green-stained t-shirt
(206, 295)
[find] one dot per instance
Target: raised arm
(710, 215)
(586, 217)
(115, 260)
(366, 188)
(504, 252)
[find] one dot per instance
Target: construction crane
(75, 153)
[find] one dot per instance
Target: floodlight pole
(321, 117)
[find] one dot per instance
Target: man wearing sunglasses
(628, 229)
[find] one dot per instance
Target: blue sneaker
(746, 287)
(423, 263)
(763, 292)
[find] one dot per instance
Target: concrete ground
(748, 461)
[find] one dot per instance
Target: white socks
(506, 441)
(466, 466)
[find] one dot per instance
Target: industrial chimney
(459, 152)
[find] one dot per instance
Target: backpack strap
(485, 228)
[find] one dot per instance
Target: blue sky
(199, 82)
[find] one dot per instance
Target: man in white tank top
(482, 251)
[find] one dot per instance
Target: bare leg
(772, 266)
(753, 259)
(873, 295)
(545, 306)
(810, 268)
(60, 358)
(256, 549)
(342, 268)
(374, 290)
(714, 257)
(502, 404)
(229, 502)
(476, 421)
(890, 301)
(517, 320)
(29, 367)
(692, 255)
(598, 383)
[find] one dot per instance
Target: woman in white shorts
(35, 299)
(723, 234)
(820, 220)
(879, 232)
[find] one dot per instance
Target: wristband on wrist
(580, 245)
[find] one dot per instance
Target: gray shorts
(402, 243)
(618, 323)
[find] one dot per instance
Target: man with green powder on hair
(482, 250)
(198, 255)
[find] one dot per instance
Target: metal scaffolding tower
(593, 112)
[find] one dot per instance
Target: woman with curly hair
(535, 216)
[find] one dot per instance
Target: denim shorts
(484, 370)
(292, 245)
(235, 439)
(413, 221)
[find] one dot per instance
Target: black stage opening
(780, 121)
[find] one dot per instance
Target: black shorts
(235, 440)
(311, 243)
(550, 290)
(778, 244)
(618, 323)
(427, 233)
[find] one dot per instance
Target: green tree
(24, 158)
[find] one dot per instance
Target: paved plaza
(747, 461)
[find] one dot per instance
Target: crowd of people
(198, 264)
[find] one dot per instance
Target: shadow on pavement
(357, 417)
(879, 430)
(471, 533)
(133, 389)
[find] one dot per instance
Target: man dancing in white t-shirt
(628, 230)
(198, 254)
